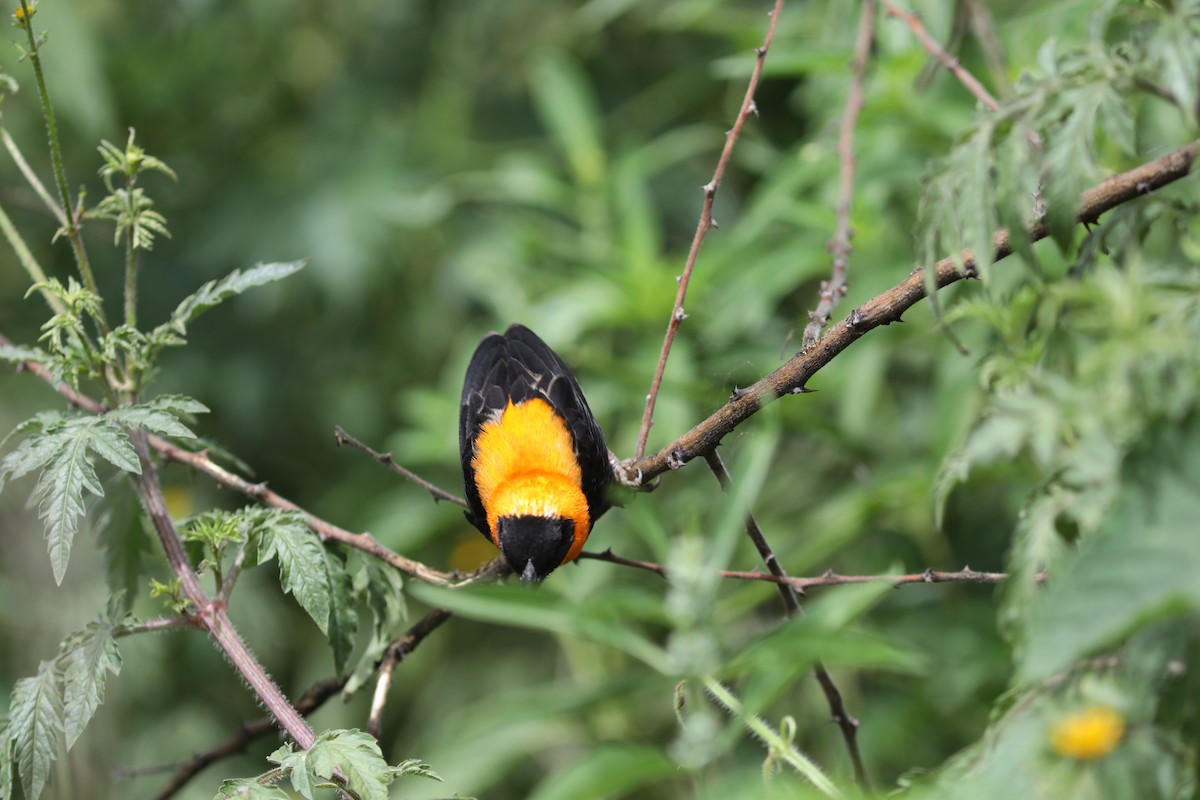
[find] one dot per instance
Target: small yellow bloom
(20, 16)
(1091, 733)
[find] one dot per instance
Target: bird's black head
(534, 546)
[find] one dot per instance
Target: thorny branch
(386, 459)
(834, 289)
(705, 224)
(397, 652)
(828, 578)
(886, 308)
(934, 49)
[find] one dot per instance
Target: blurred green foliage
(451, 167)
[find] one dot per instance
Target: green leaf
(357, 756)
(316, 577)
(606, 771)
(161, 415)
(414, 766)
(6, 761)
(1141, 565)
(303, 568)
(31, 454)
(343, 618)
(249, 789)
(35, 723)
(213, 293)
(87, 657)
(59, 493)
(19, 354)
(384, 589)
(110, 443)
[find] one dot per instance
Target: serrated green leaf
(303, 568)
(87, 657)
(6, 761)
(414, 766)
(35, 722)
(249, 789)
(316, 577)
(1140, 565)
(161, 415)
(343, 617)
(383, 585)
(31, 454)
(19, 353)
(215, 292)
(59, 494)
(110, 443)
(357, 756)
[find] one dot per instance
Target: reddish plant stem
(702, 228)
(934, 49)
(213, 616)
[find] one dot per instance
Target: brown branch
(846, 723)
(829, 578)
(888, 307)
(834, 289)
(310, 701)
(397, 652)
(934, 49)
(438, 493)
(202, 463)
(702, 228)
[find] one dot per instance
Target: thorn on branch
(856, 318)
(802, 390)
(676, 458)
(709, 188)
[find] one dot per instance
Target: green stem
(60, 175)
(131, 270)
(779, 747)
(28, 261)
(31, 176)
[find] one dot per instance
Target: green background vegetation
(450, 167)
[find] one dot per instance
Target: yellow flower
(20, 16)
(1091, 733)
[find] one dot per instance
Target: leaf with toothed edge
(35, 723)
(214, 293)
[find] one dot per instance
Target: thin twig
(158, 625)
(792, 376)
(310, 701)
(31, 177)
(386, 459)
(835, 288)
(702, 228)
(307, 703)
(397, 652)
(934, 49)
(846, 723)
(829, 578)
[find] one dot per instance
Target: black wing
(519, 365)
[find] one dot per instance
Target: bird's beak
(529, 575)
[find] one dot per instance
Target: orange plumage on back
(535, 465)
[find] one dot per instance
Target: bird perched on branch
(535, 464)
